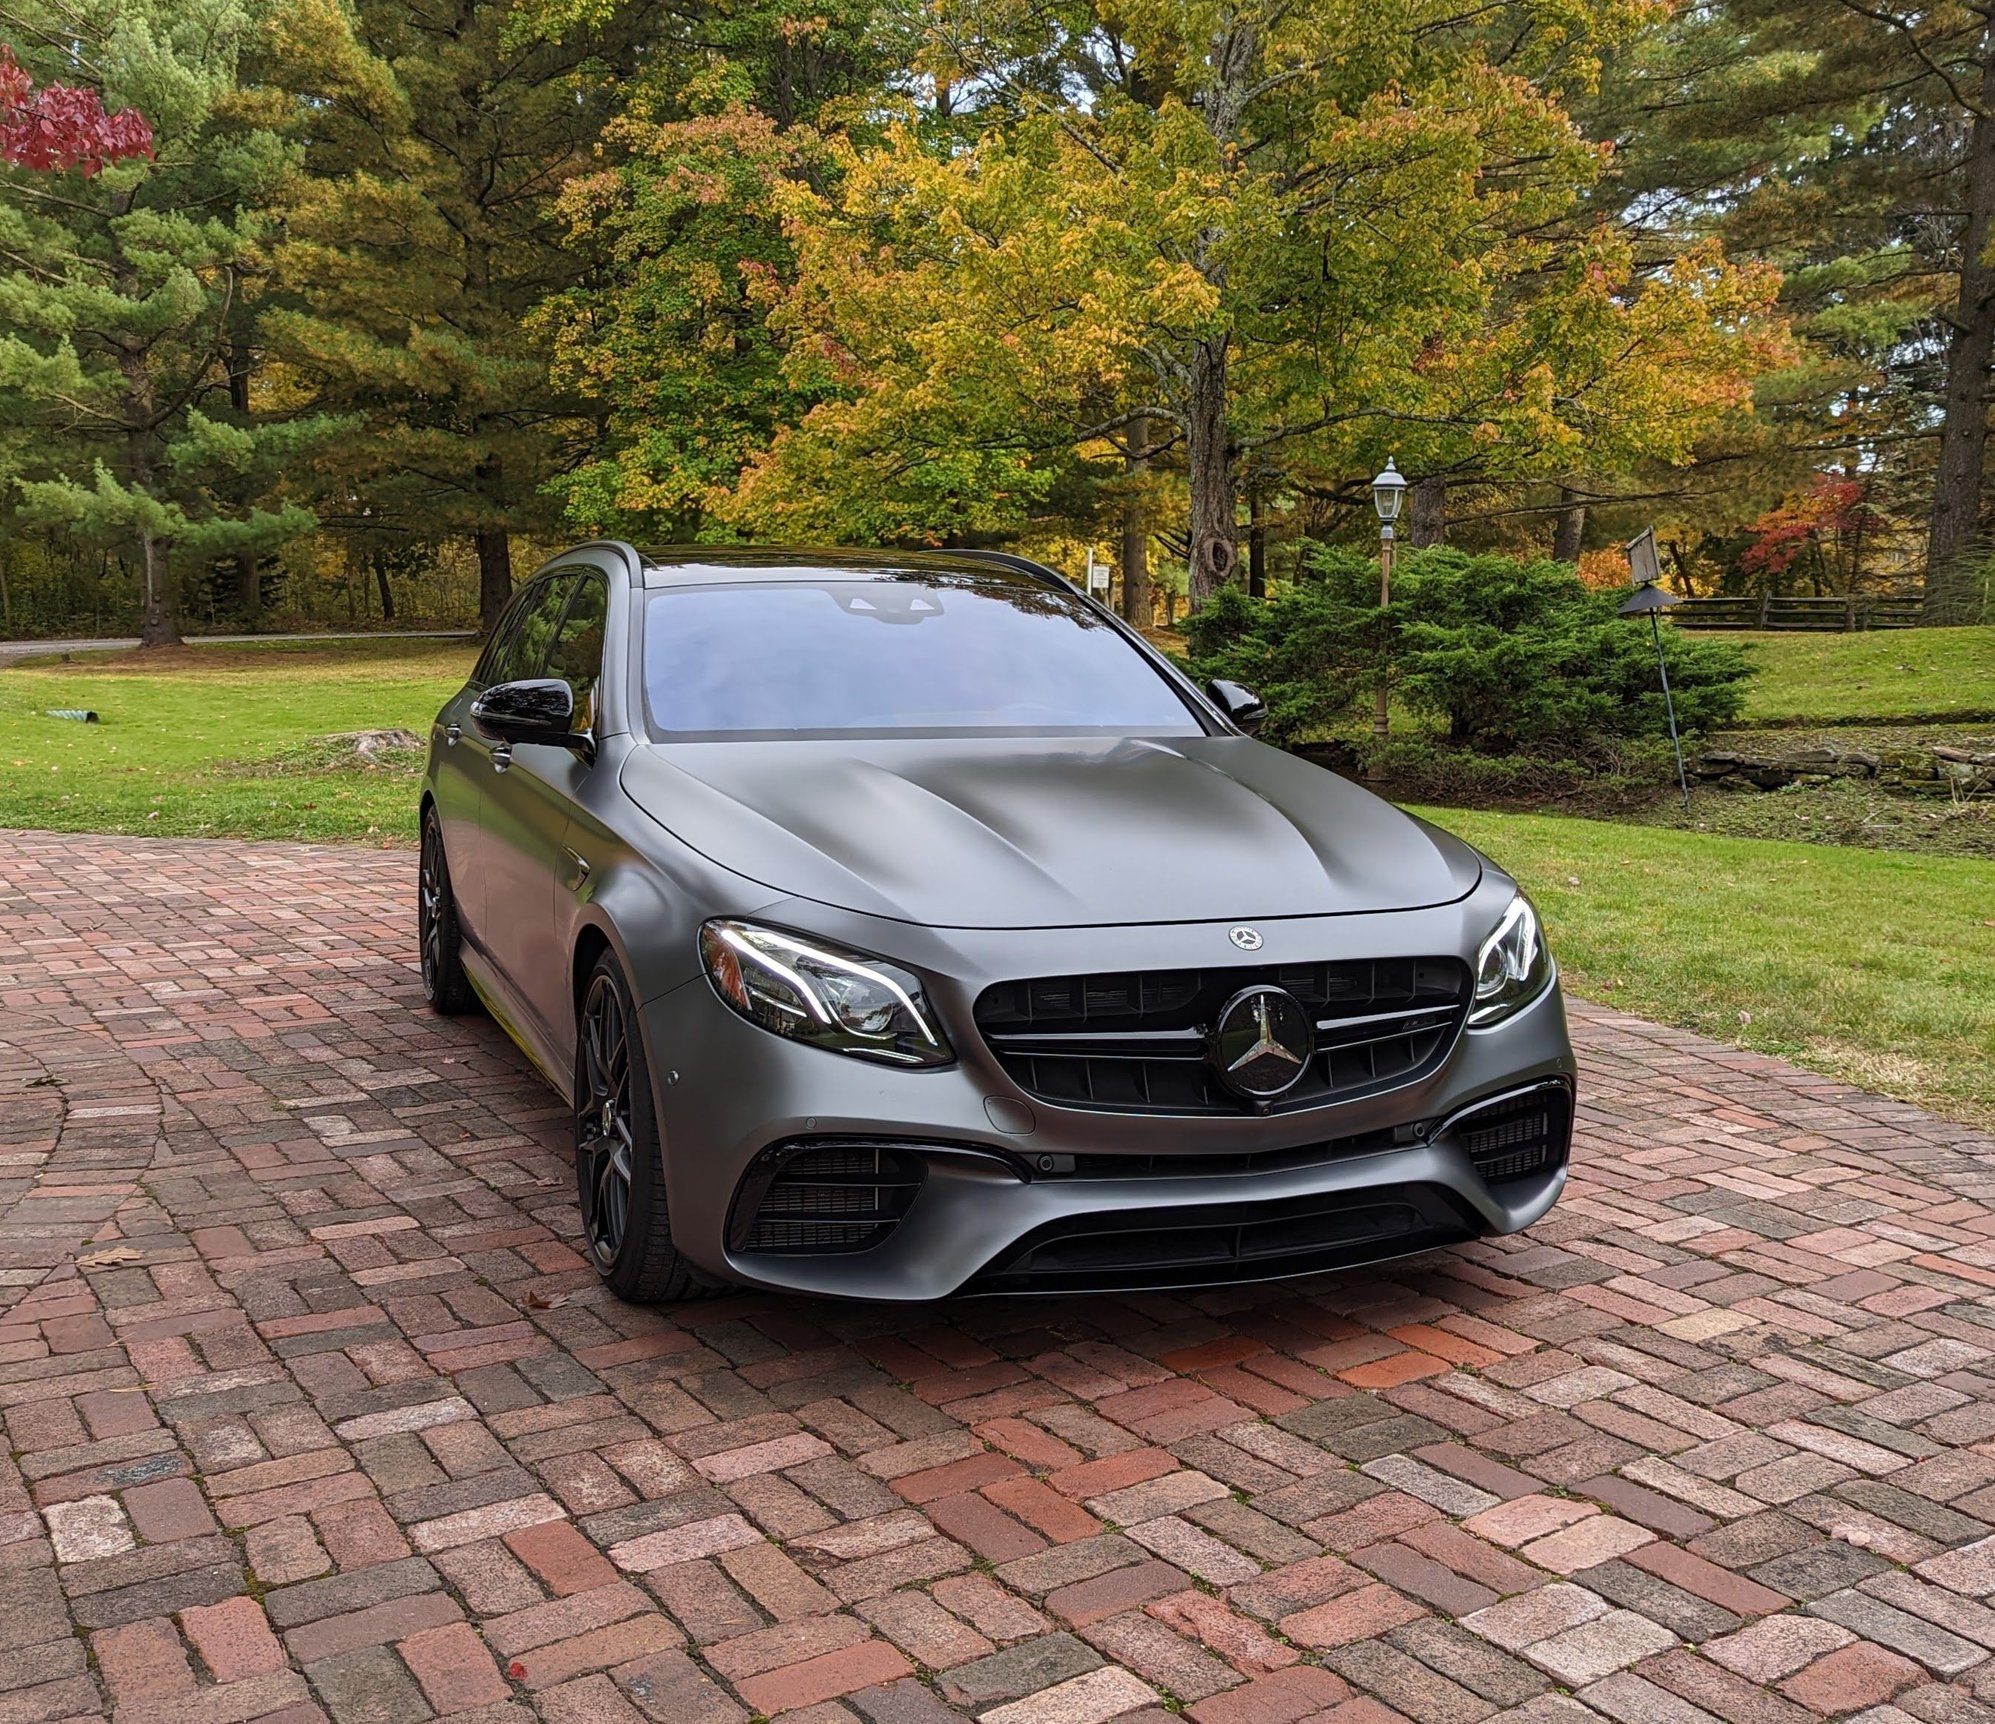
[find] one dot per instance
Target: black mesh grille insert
(1223, 1242)
(1104, 1165)
(1518, 1135)
(1134, 1042)
(802, 1199)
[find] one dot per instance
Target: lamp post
(1388, 492)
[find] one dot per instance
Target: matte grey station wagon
(905, 925)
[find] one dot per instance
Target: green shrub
(1513, 657)
(1425, 768)
(1309, 652)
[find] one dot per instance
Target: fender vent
(823, 1198)
(1517, 1136)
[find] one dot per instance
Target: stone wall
(1916, 769)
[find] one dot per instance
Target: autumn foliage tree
(1287, 237)
(669, 335)
(1820, 533)
(60, 127)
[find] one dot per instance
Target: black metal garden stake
(1651, 600)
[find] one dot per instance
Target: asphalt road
(12, 650)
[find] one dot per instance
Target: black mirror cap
(1242, 705)
(541, 709)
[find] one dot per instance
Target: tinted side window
(577, 656)
(494, 657)
(525, 648)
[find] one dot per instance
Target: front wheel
(619, 1174)
(445, 984)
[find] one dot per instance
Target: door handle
(502, 757)
(451, 732)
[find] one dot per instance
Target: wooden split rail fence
(1822, 616)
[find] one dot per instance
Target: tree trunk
(249, 589)
(1428, 524)
(159, 615)
(495, 574)
(249, 579)
(1679, 560)
(1257, 549)
(1956, 517)
(1569, 527)
(1215, 534)
(159, 624)
(387, 593)
(1136, 604)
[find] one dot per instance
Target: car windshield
(935, 653)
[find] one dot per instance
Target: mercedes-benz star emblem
(1262, 1043)
(1247, 939)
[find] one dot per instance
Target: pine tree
(421, 235)
(118, 279)
(1853, 145)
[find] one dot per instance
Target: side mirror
(540, 710)
(1242, 705)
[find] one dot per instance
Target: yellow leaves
(315, 41)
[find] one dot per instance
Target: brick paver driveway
(314, 1411)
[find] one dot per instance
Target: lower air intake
(823, 1198)
(1518, 1136)
(1211, 1244)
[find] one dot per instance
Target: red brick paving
(314, 1413)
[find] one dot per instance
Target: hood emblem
(1247, 939)
(1262, 1043)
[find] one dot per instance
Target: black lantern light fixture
(1388, 492)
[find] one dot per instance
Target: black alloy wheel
(604, 1147)
(445, 984)
(619, 1176)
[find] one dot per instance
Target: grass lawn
(1870, 965)
(1888, 673)
(216, 740)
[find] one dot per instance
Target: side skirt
(492, 991)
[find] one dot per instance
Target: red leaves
(59, 127)
(1828, 506)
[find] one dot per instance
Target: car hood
(1047, 832)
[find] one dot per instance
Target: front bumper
(1390, 1180)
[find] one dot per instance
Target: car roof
(700, 565)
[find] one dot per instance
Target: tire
(619, 1166)
(445, 984)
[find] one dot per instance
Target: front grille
(1134, 1041)
(1212, 1244)
(1111, 1165)
(1517, 1135)
(829, 1196)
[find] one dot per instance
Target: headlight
(812, 992)
(1513, 968)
